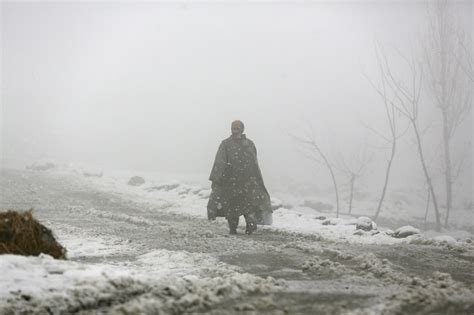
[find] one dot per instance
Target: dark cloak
(237, 183)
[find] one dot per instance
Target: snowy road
(173, 263)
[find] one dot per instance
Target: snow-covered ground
(112, 269)
(191, 199)
(81, 244)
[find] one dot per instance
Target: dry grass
(21, 234)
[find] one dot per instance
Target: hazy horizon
(154, 86)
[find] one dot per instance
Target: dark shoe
(250, 228)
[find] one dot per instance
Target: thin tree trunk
(443, 77)
(335, 188)
(448, 172)
(387, 175)
(427, 175)
(428, 199)
(328, 165)
(352, 194)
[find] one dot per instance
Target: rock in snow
(405, 231)
(136, 181)
(366, 224)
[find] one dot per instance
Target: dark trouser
(233, 221)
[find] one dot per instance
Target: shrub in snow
(21, 234)
(136, 181)
(405, 231)
(318, 205)
(366, 224)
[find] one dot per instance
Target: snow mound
(32, 284)
(316, 265)
(380, 268)
(158, 282)
(193, 294)
(445, 239)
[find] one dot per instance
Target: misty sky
(154, 86)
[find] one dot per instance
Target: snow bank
(32, 284)
(160, 281)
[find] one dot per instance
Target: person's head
(237, 128)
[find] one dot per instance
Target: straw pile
(21, 234)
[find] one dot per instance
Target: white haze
(154, 86)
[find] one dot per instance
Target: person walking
(237, 183)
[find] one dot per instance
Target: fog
(154, 86)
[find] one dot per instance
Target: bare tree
(465, 59)
(353, 168)
(464, 56)
(427, 207)
(407, 99)
(392, 117)
(445, 56)
(313, 151)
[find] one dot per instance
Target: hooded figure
(237, 183)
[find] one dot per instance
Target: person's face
(237, 128)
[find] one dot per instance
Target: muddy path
(321, 276)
